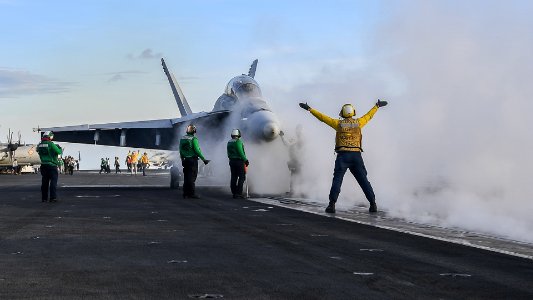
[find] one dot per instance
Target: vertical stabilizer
(176, 90)
(253, 67)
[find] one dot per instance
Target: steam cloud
(452, 148)
(268, 172)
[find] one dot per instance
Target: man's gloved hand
(206, 161)
(381, 103)
(247, 163)
(305, 106)
(281, 133)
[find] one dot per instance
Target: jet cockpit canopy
(243, 86)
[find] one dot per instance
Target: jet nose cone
(270, 131)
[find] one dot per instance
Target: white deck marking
(455, 275)
(521, 249)
(176, 261)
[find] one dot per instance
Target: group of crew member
(104, 166)
(141, 164)
(348, 147)
(190, 153)
(68, 164)
(134, 162)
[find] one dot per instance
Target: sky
(67, 63)
(451, 148)
(101, 57)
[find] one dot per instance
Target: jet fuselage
(243, 97)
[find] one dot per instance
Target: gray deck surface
(126, 237)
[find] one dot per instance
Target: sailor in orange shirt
(134, 160)
(144, 162)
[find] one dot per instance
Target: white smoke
(267, 173)
(452, 147)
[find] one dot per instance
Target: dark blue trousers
(190, 172)
(354, 162)
(238, 176)
(50, 175)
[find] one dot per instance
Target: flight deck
(121, 236)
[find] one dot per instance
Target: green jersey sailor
(48, 153)
(237, 163)
(190, 153)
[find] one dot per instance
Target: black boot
(373, 208)
(331, 208)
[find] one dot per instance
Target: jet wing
(149, 134)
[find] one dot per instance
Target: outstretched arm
(333, 123)
(368, 116)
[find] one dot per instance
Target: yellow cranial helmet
(347, 111)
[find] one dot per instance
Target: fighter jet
(241, 103)
(240, 106)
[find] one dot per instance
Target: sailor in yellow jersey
(348, 145)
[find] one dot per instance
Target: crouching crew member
(237, 163)
(48, 153)
(189, 153)
(348, 147)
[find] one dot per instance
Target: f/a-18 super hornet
(240, 106)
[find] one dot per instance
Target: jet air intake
(270, 131)
(263, 125)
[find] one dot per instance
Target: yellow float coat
(348, 136)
